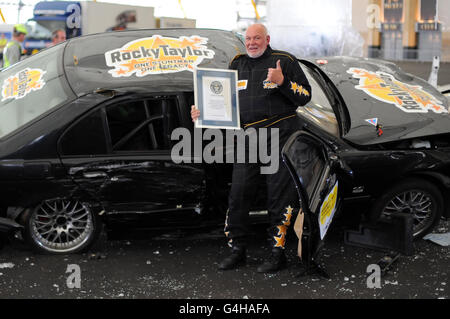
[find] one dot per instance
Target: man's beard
(256, 55)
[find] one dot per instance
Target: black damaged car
(375, 139)
(85, 138)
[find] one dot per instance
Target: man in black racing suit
(271, 87)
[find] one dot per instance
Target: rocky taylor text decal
(158, 54)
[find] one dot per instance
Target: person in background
(13, 51)
(58, 36)
(3, 42)
(274, 86)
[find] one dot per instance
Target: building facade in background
(395, 30)
(404, 29)
(388, 29)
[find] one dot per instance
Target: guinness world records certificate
(216, 96)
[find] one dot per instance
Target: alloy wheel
(418, 203)
(61, 225)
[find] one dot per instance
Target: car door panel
(313, 166)
(132, 177)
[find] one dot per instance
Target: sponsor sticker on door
(157, 55)
(327, 210)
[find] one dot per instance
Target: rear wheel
(417, 197)
(61, 226)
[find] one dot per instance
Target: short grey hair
(55, 33)
(266, 32)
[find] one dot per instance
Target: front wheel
(417, 197)
(61, 226)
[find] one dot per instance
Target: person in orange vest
(13, 50)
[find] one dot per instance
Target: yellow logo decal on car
(157, 55)
(22, 83)
(386, 88)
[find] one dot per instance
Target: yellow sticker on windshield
(158, 55)
(22, 83)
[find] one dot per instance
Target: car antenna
(433, 79)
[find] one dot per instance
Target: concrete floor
(174, 266)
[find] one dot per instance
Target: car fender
(443, 182)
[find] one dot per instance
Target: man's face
(256, 41)
(21, 37)
(60, 37)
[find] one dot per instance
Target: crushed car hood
(377, 92)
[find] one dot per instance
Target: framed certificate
(216, 96)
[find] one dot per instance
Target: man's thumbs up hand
(275, 75)
(279, 65)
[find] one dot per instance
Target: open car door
(314, 166)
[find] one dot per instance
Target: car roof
(159, 60)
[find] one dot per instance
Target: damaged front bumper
(7, 228)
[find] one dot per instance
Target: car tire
(415, 196)
(61, 226)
